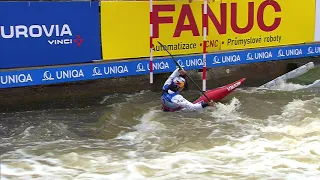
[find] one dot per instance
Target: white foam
(227, 112)
(286, 148)
(90, 175)
(129, 97)
(108, 97)
(146, 128)
(282, 85)
(314, 126)
(26, 133)
(296, 110)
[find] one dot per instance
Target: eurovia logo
(56, 34)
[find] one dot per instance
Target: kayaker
(172, 100)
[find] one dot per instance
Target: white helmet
(179, 81)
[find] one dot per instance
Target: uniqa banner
(178, 24)
(48, 33)
(107, 69)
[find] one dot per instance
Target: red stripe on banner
(151, 45)
(204, 73)
(151, 66)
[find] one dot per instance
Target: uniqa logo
(280, 53)
(180, 62)
(249, 57)
(115, 70)
(293, 52)
(263, 55)
(68, 74)
(230, 58)
(159, 65)
(194, 62)
(310, 50)
(59, 35)
(47, 76)
(314, 50)
(96, 71)
(140, 68)
(216, 60)
(15, 79)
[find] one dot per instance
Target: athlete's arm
(184, 103)
(170, 78)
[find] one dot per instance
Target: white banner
(317, 30)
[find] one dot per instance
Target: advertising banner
(317, 19)
(231, 25)
(48, 33)
(53, 75)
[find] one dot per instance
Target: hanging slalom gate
(204, 34)
(151, 45)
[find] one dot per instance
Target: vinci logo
(57, 35)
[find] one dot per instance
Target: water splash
(227, 112)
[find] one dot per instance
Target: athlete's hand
(211, 103)
(182, 72)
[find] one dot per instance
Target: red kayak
(219, 93)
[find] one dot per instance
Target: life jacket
(166, 101)
(166, 98)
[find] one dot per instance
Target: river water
(251, 134)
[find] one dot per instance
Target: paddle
(182, 69)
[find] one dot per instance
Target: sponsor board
(178, 25)
(52, 75)
(48, 33)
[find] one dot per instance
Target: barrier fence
(68, 33)
(52, 75)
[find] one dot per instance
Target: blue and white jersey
(173, 100)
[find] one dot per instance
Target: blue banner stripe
(52, 75)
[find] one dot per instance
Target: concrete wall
(92, 92)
